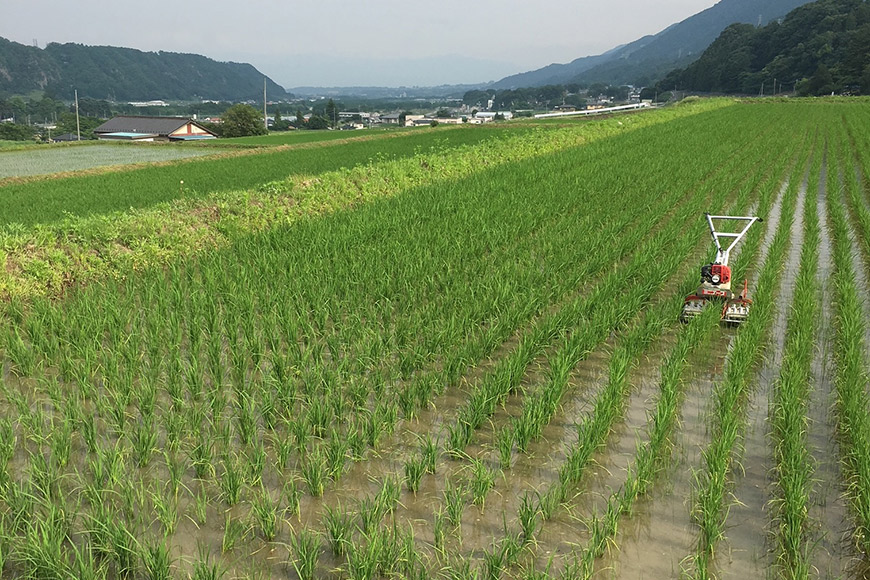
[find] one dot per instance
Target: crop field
(46, 160)
(40, 201)
(458, 361)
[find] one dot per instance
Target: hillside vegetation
(819, 48)
(126, 74)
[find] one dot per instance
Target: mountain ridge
(650, 57)
(126, 74)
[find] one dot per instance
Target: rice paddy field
(460, 359)
(29, 161)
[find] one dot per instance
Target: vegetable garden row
(480, 374)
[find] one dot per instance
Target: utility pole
(78, 126)
(265, 118)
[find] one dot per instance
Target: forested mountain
(126, 74)
(819, 48)
(648, 59)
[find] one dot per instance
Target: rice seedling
(266, 513)
(235, 531)
(454, 502)
(157, 561)
(291, 493)
(204, 568)
(339, 528)
(166, 510)
(305, 548)
(231, 481)
(415, 467)
(429, 452)
(314, 472)
(481, 481)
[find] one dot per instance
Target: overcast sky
(347, 42)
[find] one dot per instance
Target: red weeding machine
(715, 285)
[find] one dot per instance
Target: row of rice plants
(504, 552)
(481, 479)
(730, 395)
(609, 406)
(850, 371)
(492, 391)
(789, 407)
(540, 405)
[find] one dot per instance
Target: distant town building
(149, 104)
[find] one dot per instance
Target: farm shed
(141, 128)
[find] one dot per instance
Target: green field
(46, 201)
(450, 355)
(296, 137)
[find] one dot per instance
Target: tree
(317, 122)
(66, 123)
(242, 120)
(300, 119)
(821, 83)
(15, 132)
(331, 113)
(280, 124)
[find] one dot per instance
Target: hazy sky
(346, 43)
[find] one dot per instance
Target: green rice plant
(336, 455)
(175, 468)
(201, 456)
(166, 510)
(204, 568)
(730, 395)
(143, 440)
(363, 559)
(283, 447)
(528, 516)
(255, 458)
(494, 562)
(200, 504)
(265, 510)
(791, 400)
(389, 494)
(305, 548)
(852, 402)
(460, 569)
(481, 482)
(415, 467)
(438, 525)
(157, 561)
(504, 443)
(454, 502)
(370, 512)
(235, 531)
(232, 480)
(314, 472)
(339, 528)
(292, 494)
(429, 453)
